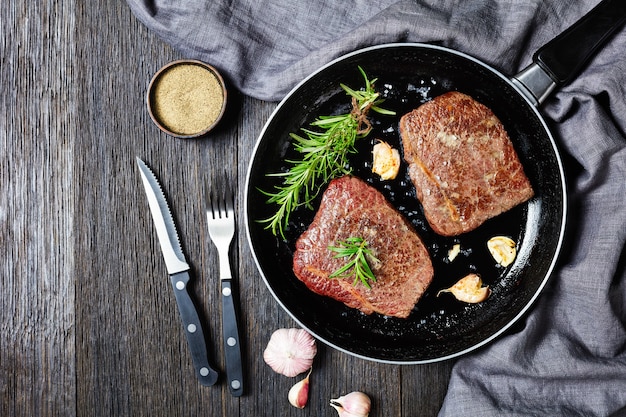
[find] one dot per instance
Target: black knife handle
(232, 348)
(193, 330)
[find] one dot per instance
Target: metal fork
(221, 223)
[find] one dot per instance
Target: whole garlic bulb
(354, 404)
(290, 351)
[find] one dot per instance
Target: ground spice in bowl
(186, 98)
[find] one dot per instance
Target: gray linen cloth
(568, 356)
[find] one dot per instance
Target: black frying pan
(408, 75)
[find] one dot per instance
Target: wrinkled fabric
(265, 47)
(568, 356)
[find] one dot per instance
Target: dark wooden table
(88, 322)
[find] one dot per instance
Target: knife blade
(178, 270)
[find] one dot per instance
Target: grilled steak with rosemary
(401, 265)
(462, 163)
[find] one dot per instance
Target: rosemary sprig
(357, 253)
(324, 154)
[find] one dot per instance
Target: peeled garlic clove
(299, 393)
(502, 249)
(386, 161)
(355, 404)
(469, 289)
(290, 351)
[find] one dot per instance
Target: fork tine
(229, 203)
(226, 209)
(208, 198)
(217, 207)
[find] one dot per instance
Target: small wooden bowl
(186, 98)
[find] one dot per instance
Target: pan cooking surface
(439, 327)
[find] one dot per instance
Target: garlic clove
(354, 404)
(299, 393)
(386, 160)
(290, 351)
(502, 249)
(469, 289)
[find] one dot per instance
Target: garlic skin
(299, 394)
(354, 404)
(290, 352)
(468, 289)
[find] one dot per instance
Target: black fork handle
(232, 347)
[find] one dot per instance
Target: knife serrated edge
(163, 221)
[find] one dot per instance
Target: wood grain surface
(88, 322)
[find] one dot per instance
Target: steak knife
(178, 270)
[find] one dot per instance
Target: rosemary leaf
(357, 253)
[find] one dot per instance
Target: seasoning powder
(187, 99)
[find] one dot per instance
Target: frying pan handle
(560, 60)
(564, 56)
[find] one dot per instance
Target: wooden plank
(424, 387)
(130, 357)
(37, 122)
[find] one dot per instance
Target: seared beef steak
(462, 163)
(351, 208)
